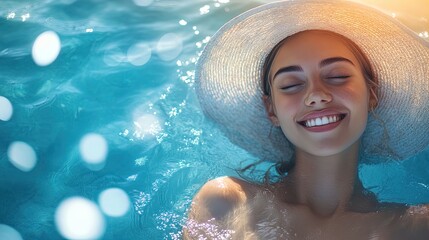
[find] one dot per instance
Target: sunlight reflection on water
(134, 73)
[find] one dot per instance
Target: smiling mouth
(321, 121)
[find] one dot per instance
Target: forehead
(311, 47)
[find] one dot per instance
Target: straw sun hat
(229, 72)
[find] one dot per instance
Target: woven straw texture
(228, 75)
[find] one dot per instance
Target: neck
(325, 184)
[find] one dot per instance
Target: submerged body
(240, 210)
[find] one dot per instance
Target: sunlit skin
(313, 74)
(325, 77)
(313, 77)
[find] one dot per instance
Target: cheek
(357, 97)
(357, 101)
(286, 107)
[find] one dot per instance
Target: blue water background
(92, 88)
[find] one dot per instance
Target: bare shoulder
(419, 211)
(218, 197)
(418, 215)
(413, 223)
(216, 210)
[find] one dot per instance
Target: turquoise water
(124, 75)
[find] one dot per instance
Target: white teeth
(325, 120)
(321, 121)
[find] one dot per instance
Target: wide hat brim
(228, 75)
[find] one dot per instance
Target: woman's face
(319, 96)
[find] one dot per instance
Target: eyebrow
(333, 60)
(324, 62)
(293, 68)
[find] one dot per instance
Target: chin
(331, 150)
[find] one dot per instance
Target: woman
(328, 85)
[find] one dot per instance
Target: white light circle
(6, 109)
(22, 156)
(9, 233)
(148, 124)
(139, 54)
(114, 202)
(79, 218)
(169, 46)
(143, 3)
(93, 148)
(46, 48)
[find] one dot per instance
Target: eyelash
(339, 77)
(290, 87)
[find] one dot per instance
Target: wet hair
(286, 165)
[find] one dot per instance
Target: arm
(213, 209)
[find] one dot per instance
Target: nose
(317, 94)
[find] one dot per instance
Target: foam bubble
(22, 156)
(114, 202)
(169, 46)
(139, 54)
(9, 233)
(79, 218)
(46, 48)
(143, 3)
(6, 109)
(93, 149)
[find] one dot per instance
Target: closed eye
(339, 77)
(291, 88)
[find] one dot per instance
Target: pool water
(102, 136)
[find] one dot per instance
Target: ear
(269, 108)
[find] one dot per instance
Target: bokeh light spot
(424, 34)
(143, 3)
(11, 15)
(46, 48)
(79, 218)
(24, 17)
(147, 124)
(205, 9)
(139, 54)
(93, 148)
(114, 202)
(9, 233)
(6, 109)
(169, 46)
(22, 156)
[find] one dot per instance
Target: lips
(321, 118)
(321, 121)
